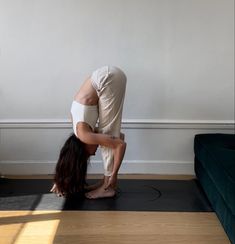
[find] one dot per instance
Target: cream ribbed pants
(110, 84)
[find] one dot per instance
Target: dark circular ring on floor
(156, 190)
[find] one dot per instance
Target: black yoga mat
(132, 195)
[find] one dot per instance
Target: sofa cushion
(216, 152)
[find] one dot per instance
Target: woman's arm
(118, 145)
(87, 136)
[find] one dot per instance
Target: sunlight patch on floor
(20, 227)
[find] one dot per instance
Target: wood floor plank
(105, 227)
(120, 176)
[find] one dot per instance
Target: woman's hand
(55, 190)
(118, 154)
(112, 182)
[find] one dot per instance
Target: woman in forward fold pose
(100, 98)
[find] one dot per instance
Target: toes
(88, 196)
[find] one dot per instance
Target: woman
(100, 98)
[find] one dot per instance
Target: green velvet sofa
(215, 170)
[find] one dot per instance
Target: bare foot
(100, 193)
(94, 186)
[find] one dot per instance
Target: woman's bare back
(87, 94)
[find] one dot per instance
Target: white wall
(178, 56)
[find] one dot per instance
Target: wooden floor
(110, 227)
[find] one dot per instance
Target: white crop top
(84, 113)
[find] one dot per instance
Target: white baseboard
(96, 167)
(149, 167)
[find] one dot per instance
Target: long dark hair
(71, 168)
